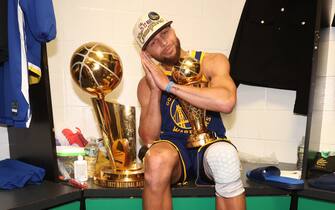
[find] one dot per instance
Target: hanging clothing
(3, 31)
(30, 23)
(273, 47)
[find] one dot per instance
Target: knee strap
(229, 190)
(222, 164)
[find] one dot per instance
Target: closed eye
(153, 42)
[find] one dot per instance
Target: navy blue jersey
(175, 125)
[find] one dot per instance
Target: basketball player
(164, 127)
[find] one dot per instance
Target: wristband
(169, 86)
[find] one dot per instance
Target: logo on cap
(147, 26)
(153, 16)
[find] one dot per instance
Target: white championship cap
(147, 26)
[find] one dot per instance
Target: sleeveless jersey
(30, 23)
(175, 125)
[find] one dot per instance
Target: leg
(233, 203)
(162, 167)
(221, 164)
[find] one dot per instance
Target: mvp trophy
(97, 69)
(187, 72)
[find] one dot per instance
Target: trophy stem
(102, 109)
(118, 122)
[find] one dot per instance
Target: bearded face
(173, 57)
(165, 47)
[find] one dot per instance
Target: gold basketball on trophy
(187, 71)
(96, 68)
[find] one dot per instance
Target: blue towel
(326, 182)
(16, 174)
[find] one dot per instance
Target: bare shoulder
(215, 63)
(214, 56)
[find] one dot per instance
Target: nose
(162, 41)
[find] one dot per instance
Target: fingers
(153, 72)
(145, 64)
(146, 61)
(146, 55)
(145, 58)
(147, 72)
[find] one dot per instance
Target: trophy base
(199, 140)
(120, 178)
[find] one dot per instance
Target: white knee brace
(222, 164)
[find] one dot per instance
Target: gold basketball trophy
(187, 72)
(97, 69)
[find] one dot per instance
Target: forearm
(215, 98)
(151, 119)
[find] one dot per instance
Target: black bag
(323, 163)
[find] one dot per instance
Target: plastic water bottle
(91, 152)
(300, 153)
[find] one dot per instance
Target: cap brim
(155, 33)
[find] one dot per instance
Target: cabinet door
(70, 206)
(311, 204)
(268, 202)
(205, 203)
(113, 203)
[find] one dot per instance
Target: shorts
(192, 160)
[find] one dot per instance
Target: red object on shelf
(77, 184)
(75, 138)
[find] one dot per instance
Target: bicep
(223, 81)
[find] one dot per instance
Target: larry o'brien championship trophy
(97, 69)
(187, 72)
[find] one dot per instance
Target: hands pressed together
(155, 77)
